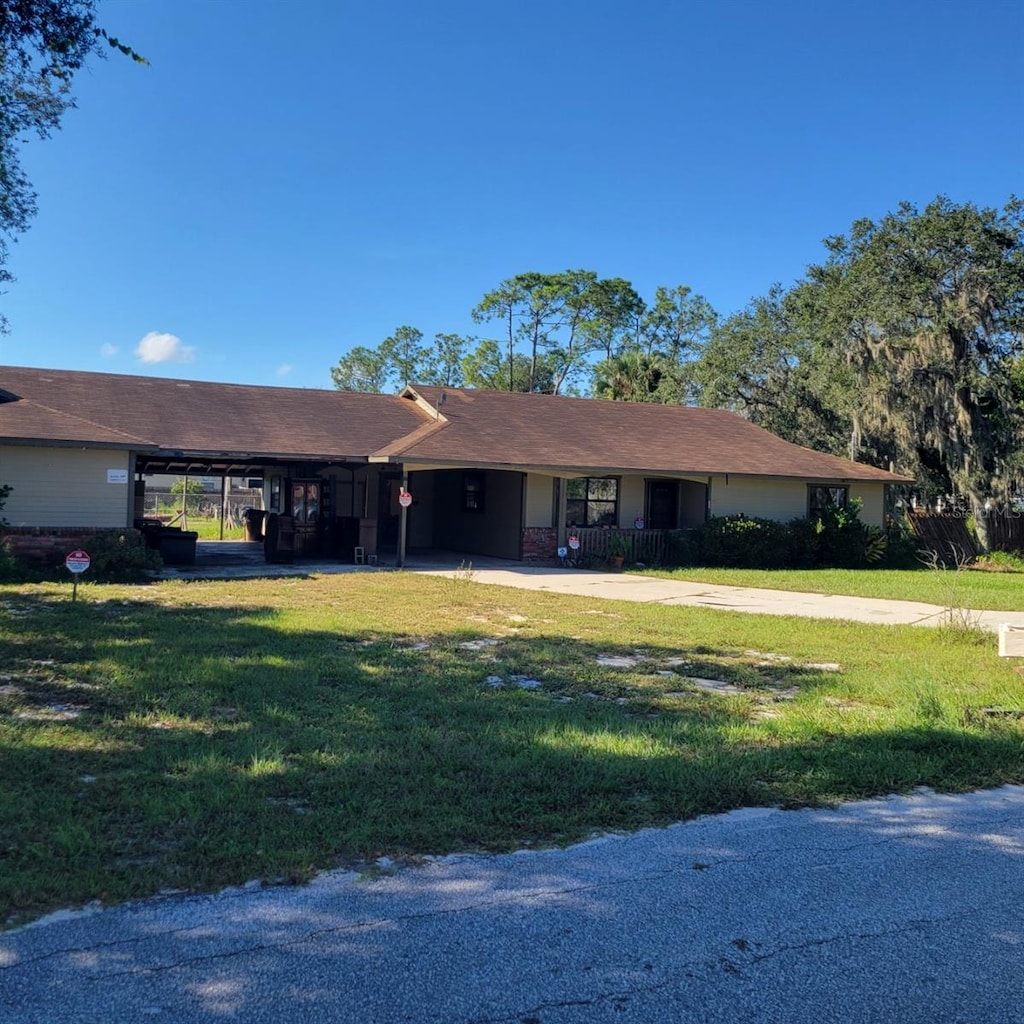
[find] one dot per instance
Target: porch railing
(647, 546)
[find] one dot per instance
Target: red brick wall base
(45, 546)
(540, 544)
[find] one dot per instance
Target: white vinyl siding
(64, 487)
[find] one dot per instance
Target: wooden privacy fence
(1006, 530)
(647, 546)
(947, 533)
(943, 533)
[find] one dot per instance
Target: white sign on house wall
(117, 476)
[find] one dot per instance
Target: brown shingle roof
(199, 416)
(497, 427)
(473, 427)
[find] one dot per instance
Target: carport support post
(223, 502)
(562, 498)
(403, 517)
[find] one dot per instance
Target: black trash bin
(253, 518)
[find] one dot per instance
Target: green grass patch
(195, 735)
(209, 529)
(996, 591)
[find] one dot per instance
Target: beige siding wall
(767, 499)
(872, 496)
(64, 487)
(540, 498)
(785, 499)
(631, 500)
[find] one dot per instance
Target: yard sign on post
(404, 501)
(77, 562)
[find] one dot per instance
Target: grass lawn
(209, 529)
(194, 735)
(998, 591)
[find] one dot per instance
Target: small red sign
(405, 499)
(78, 561)
(574, 542)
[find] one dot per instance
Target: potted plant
(616, 551)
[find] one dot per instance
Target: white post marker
(77, 562)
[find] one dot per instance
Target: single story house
(489, 472)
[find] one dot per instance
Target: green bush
(837, 539)
(842, 538)
(10, 570)
(739, 542)
(681, 548)
(117, 555)
(902, 545)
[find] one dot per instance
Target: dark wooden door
(662, 504)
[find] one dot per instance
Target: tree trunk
(980, 514)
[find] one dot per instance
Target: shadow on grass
(144, 747)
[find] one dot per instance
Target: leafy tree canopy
(42, 44)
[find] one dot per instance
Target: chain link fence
(162, 504)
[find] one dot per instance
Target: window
(820, 499)
(473, 492)
(592, 501)
(275, 494)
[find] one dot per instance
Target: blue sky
(289, 179)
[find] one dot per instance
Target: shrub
(10, 570)
(121, 555)
(902, 544)
(117, 555)
(736, 541)
(682, 548)
(841, 538)
(837, 538)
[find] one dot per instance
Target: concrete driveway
(903, 909)
(655, 590)
(235, 560)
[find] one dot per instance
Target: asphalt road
(904, 909)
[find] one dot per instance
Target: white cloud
(157, 347)
(284, 369)
(107, 350)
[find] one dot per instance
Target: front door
(306, 505)
(662, 504)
